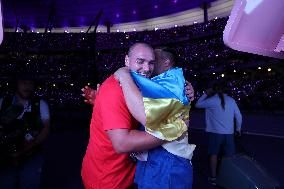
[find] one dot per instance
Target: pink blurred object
(256, 26)
(1, 24)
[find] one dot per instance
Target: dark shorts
(218, 142)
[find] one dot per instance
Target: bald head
(139, 45)
(141, 59)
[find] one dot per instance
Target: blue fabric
(169, 84)
(163, 170)
(218, 141)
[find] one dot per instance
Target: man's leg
(214, 144)
(213, 161)
(229, 147)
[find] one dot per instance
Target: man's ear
(127, 60)
(167, 64)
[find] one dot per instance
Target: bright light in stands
(222, 75)
(235, 71)
(269, 69)
(134, 29)
(195, 22)
(117, 30)
(213, 73)
(156, 29)
(176, 26)
(259, 68)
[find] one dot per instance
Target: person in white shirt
(221, 112)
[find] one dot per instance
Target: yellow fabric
(165, 117)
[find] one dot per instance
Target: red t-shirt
(102, 167)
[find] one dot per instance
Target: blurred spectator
(25, 124)
(220, 113)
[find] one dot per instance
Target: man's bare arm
(189, 91)
(126, 141)
(132, 95)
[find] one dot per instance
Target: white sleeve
(204, 102)
(44, 110)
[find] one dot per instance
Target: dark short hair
(168, 53)
(220, 86)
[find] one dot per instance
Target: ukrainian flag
(166, 105)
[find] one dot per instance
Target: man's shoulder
(230, 100)
(109, 87)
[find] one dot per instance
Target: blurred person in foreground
(25, 122)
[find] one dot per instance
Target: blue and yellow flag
(166, 105)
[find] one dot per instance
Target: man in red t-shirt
(106, 164)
